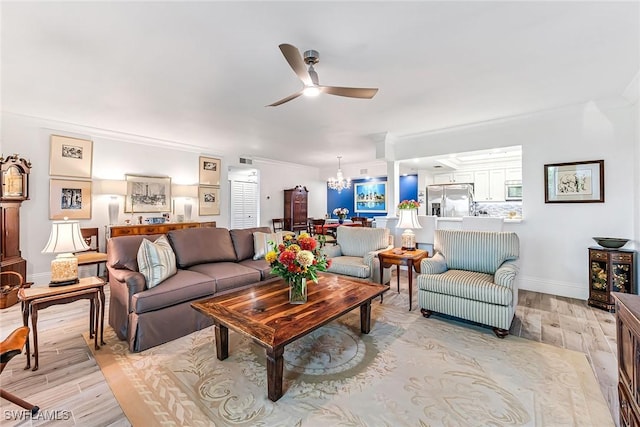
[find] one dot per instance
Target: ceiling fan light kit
(309, 77)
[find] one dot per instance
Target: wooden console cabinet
(628, 340)
(610, 270)
(14, 189)
(132, 230)
(295, 208)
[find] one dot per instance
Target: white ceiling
(201, 73)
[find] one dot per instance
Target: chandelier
(339, 183)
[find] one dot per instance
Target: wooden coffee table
(263, 313)
(400, 257)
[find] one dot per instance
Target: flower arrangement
(408, 204)
(341, 212)
(295, 259)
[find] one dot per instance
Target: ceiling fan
(310, 78)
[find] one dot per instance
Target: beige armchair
(356, 252)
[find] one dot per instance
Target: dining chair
(361, 219)
(92, 256)
(316, 226)
(278, 224)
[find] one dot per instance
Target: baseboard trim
(553, 287)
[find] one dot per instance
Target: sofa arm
(331, 251)
(434, 265)
(134, 281)
(506, 274)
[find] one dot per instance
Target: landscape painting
(370, 197)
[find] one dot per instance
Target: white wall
(115, 155)
(554, 237)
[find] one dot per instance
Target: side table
(400, 257)
(39, 298)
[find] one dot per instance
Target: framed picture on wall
(208, 200)
(70, 157)
(148, 194)
(576, 182)
(370, 197)
(209, 171)
(69, 198)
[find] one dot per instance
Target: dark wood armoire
(295, 208)
(14, 189)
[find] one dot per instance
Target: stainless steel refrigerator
(450, 200)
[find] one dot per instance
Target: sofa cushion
(261, 265)
(469, 285)
(350, 266)
(201, 245)
(358, 241)
(228, 275)
(482, 251)
(156, 261)
(243, 241)
(122, 251)
(184, 286)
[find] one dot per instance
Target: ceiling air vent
(437, 166)
(364, 171)
(245, 161)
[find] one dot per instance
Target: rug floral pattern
(408, 371)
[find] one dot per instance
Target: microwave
(513, 190)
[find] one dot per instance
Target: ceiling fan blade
(351, 92)
(293, 57)
(287, 99)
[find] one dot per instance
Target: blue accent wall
(345, 199)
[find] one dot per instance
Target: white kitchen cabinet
(453, 178)
(489, 185)
(513, 174)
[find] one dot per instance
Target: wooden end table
(39, 298)
(402, 257)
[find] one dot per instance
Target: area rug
(408, 371)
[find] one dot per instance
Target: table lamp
(65, 239)
(113, 188)
(188, 192)
(408, 221)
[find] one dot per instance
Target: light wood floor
(70, 380)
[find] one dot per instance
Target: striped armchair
(356, 252)
(473, 276)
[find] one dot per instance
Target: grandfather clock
(14, 189)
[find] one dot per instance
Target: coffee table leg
(275, 369)
(365, 317)
(222, 341)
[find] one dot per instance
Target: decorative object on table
(610, 242)
(297, 260)
(148, 194)
(610, 270)
(408, 221)
(208, 200)
(339, 183)
(187, 192)
(370, 197)
(113, 188)
(69, 199)
(65, 239)
(576, 182)
(209, 171)
(341, 213)
(70, 157)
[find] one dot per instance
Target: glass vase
(341, 220)
(297, 290)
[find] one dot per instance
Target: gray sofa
(210, 261)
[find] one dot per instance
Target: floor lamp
(113, 188)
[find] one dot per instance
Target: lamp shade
(65, 238)
(409, 219)
(112, 187)
(179, 190)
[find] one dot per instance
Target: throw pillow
(261, 243)
(156, 261)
